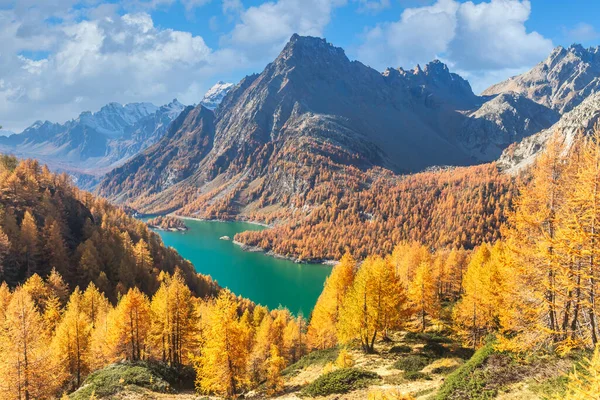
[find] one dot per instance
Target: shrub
(416, 375)
(411, 363)
(426, 337)
(401, 349)
(340, 381)
(317, 357)
(434, 350)
(466, 378)
(116, 377)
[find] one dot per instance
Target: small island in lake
(167, 223)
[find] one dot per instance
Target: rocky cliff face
(506, 118)
(561, 82)
(94, 142)
(313, 114)
(581, 120)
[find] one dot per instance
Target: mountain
(4, 132)
(581, 120)
(560, 82)
(506, 118)
(94, 142)
(314, 108)
(216, 94)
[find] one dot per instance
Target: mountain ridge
(312, 97)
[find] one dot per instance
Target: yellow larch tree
(221, 365)
(129, 325)
(27, 367)
(375, 302)
(275, 364)
(29, 245)
(71, 342)
(173, 320)
(532, 237)
(322, 329)
(423, 293)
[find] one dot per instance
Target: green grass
(339, 381)
(317, 357)
(411, 363)
(114, 378)
(468, 380)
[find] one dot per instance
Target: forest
(532, 287)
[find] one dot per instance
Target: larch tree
(375, 302)
(129, 326)
(532, 232)
(275, 365)
(422, 293)
(71, 342)
(477, 313)
(27, 367)
(221, 365)
(173, 320)
(29, 245)
(322, 329)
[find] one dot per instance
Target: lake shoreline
(256, 249)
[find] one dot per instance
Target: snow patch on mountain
(216, 94)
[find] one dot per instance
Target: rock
(581, 120)
(561, 82)
(225, 238)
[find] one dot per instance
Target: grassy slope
(426, 366)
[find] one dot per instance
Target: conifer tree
(375, 302)
(29, 243)
(129, 325)
(422, 293)
(27, 368)
(71, 341)
(221, 365)
(275, 364)
(322, 331)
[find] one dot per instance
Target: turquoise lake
(263, 279)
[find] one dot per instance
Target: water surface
(261, 278)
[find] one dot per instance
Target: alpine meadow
(326, 226)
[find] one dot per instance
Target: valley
(263, 279)
(459, 232)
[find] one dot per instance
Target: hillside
(48, 224)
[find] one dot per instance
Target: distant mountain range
(95, 143)
(312, 103)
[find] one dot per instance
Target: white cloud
(92, 62)
(582, 32)
(489, 36)
(264, 29)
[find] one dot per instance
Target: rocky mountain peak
(560, 82)
(309, 50)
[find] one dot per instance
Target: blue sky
(62, 57)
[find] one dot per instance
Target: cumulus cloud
(264, 29)
(93, 62)
(489, 36)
